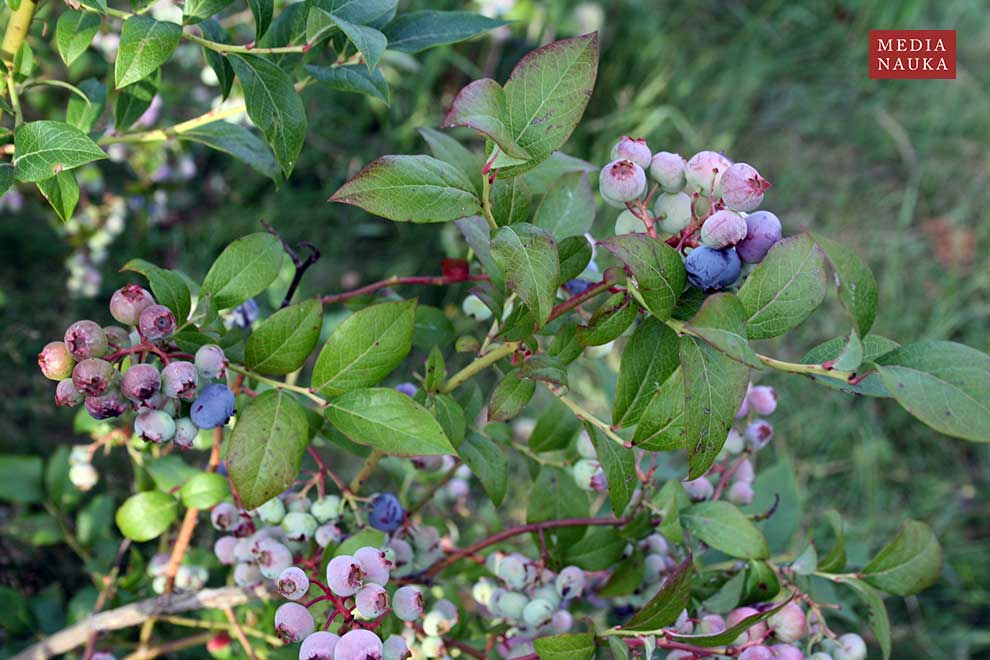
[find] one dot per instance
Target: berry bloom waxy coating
(105, 406)
(154, 426)
(127, 303)
(710, 269)
(140, 382)
(622, 181)
(407, 603)
(386, 512)
(67, 395)
(55, 361)
(210, 361)
(668, 170)
(704, 170)
(722, 229)
(359, 645)
(634, 149)
(213, 407)
(318, 646)
(86, 339)
(763, 231)
(94, 377)
(293, 622)
(292, 583)
(345, 575)
(371, 601)
(179, 380)
(157, 322)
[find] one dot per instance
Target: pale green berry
(667, 169)
(272, 512)
(510, 604)
(432, 647)
(851, 647)
(475, 308)
(326, 508)
(299, 526)
(585, 447)
(672, 212)
(628, 223)
(537, 612)
(482, 592)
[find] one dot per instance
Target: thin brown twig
(430, 280)
(239, 632)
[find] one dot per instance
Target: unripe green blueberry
(585, 448)
(432, 647)
(548, 592)
(272, 512)
(407, 603)
(83, 476)
(210, 361)
(293, 622)
(483, 591)
(586, 472)
(117, 337)
(185, 433)
(191, 578)
(55, 361)
(672, 212)
(180, 380)
(510, 604)
(327, 535)
(515, 570)
(67, 395)
(371, 601)
(851, 647)
(427, 463)
(789, 624)
(704, 170)
(699, 489)
(628, 223)
(570, 582)
(741, 187)
(821, 655)
(156, 322)
(299, 526)
(668, 170)
(537, 612)
(475, 308)
(86, 339)
(598, 352)
(127, 303)
(435, 624)
(326, 508)
(154, 426)
(634, 149)
(653, 568)
(140, 382)
(754, 633)
(657, 544)
(722, 229)
(109, 404)
(622, 181)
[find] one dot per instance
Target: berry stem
(478, 365)
(369, 465)
(280, 385)
(433, 490)
(727, 474)
(486, 204)
(431, 280)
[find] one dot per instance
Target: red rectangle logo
(912, 54)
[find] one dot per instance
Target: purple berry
(318, 646)
(213, 407)
(344, 575)
(789, 624)
(786, 652)
(744, 472)
(386, 512)
(55, 361)
(157, 322)
(759, 433)
(667, 169)
(67, 395)
(704, 170)
(328, 534)
(127, 303)
(407, 603)
(409, 389)
(359, 645)
(371, 601)
(622, 181)
(154, 426)
(375, 565)
(211, 361)
(755, 633)
(763, 399)
(246, 575)
(105, 406)
(224, 516)
(711, 624)
(699, 489)
(756, 653)
(710, 269)
(224, 547)
(86, 339)
(672, 211)
(762, 232)
(741, 187)
(741, 493)
(292, 583)
(179, 380)
(634, 149)
(395, 648)
(140, 382)
(117, 337)
(578, 286)
(185, 433)
(293, 622)
(273, 558)
(94, 376)
(722, 229)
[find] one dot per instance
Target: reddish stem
(430, 280)
(727, 473)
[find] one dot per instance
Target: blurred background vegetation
(897, 169)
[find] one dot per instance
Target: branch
(136, 613)
(431, 280)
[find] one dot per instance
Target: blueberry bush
(652, 526)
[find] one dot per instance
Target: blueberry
(371, 601)
(94, 377)
(762, 232)
(407, 603)
(318, 646)
(154, 426)
(211, 361)
(668, 170)
(578, 286)
(117, 337)
(704, 171)
(245, 314)
(375, 564)
(672, 211)
(127, 303)
(293, 622)
(621, 181)
(180, 380)
(105, 406)
(634, 149)
(345, 577)
(386, 512)
(67, 395)
(213, 407)
(55, 361)
(395, 648)
(359, 644)
(86, 339)
(628, 223)
(141, 382)
(409, 389)
(185, 433)
(157, 322)
(741, 187)
(710, 269)
(722, 229)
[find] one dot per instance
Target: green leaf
(204, 490)
(545, 368)
(169, 472)
(133, 100)
(411, 189)
(418, 30)
(879, 621)
(451, 416)
(714, 387)
(599, 550)
(73, 33)
(669, 501)
(553, 496)
(213, 31)
(657, 268)
(907, 565)
(197, 11)
(489, 463)
(944, 384)
(873, 347)
(511, 200)
(62, 192)
(851, 356)
(540, 178)
(777, 481)
(572, 646)
(146, 515)
(625, 579)
(388, 420)
(729, 635)
(609, 321)
(661, 426)
(648, 360)
(477, 234)
(510, 396)
(274, 106)
(20, 479)
(370, 42)
(145, 45)
(835, 560)
(266, 447)
(244, 269)
(365, 348)
(619, 649)
(365, 538)
(806, 562)
(99, 5)
(482, 106)
(785, 288)
(721, 322)
(575, 255)
(83, 115)
(663, 609)
(555, 427)
(761, 583)
(435, 372)
(565, 346)
(568, 208)
(237, 141)
(724, 527)
(454, 153)
(170, 288)
(35, 529)
(281, 343)
(262, 10)
(6, 177)
(44, 148)
(619, 465)
(854, 281)
(432, 328)
(354, 78)
(527, 255)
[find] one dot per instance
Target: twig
(366, 470)
(109, 582)
(169, 647)
(429, 280)
(239, 633)
(302, 265)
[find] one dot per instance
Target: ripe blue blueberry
(710, 269)
(127, 303)
(578, 286)
(140, 382)
(86, 339)
(245, 314)
(213, 407)
(634, 149)
(762, 232)
(318, 646)
(409, 389)
(667, 169)
(741, 187)
(621, 181)
(386, 512)
(94, 377)
(55, 361)
(293, 622)
(67, 395)
(180, 380)
(157, 322)
(722, 229)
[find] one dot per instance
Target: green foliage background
(896, 169)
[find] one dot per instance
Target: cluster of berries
(189, 576)
(112, 370)
(753, 433)
(658, 562)
(530, 599)
(705, 206)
